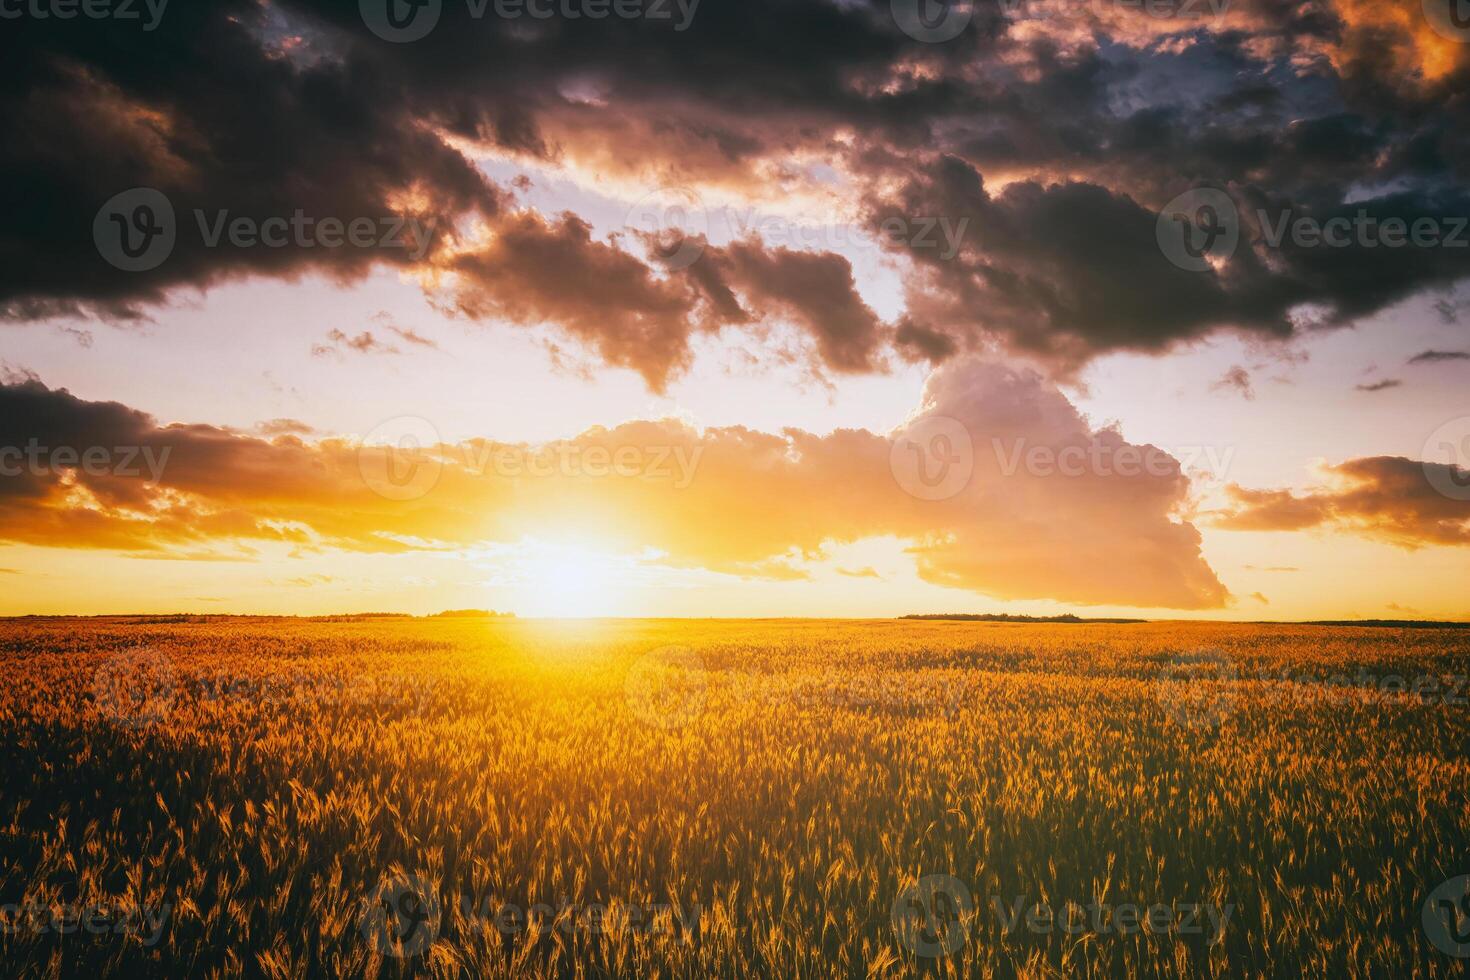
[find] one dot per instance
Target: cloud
(815, 291)
(864, 572)
(309, 581)
(1063, 271)
(1260, 598)
(412, 336)
(1448, 310)
(1383, 385)
(363, 343)
(1387, 498)
(1439, 356)
(284, 427)
(1236, 379)
(730, 499)
(93, 111)
(537, 271)
(1071, 270)
(1060, 138)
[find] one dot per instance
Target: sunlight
(565, 580)
(569, 581)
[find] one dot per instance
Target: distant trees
(472, 614)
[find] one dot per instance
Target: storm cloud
(1061, 132)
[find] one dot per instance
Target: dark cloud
(1070, 270)
(536, 272)
(815, 291)
(555, 272)
(1061, 132)
(1062, 270)
(209, 110)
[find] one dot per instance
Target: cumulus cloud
(1063, 270)
(555, 272)
(1073, 269)
(814, 291)
(730, 500)
(536, 271)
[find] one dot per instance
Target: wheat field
(788, 798)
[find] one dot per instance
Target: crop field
(784, 798)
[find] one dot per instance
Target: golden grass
(782, 786)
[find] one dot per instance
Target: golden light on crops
(1263, 773)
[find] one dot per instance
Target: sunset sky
(739, 308)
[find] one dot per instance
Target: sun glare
(562, 580)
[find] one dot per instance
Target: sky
(769, 308)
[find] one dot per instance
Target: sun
(567, 580)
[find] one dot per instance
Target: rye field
(394, 797)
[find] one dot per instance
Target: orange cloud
(971, 481)
(1396, 39)
(1388, 498)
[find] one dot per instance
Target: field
(785, 798)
